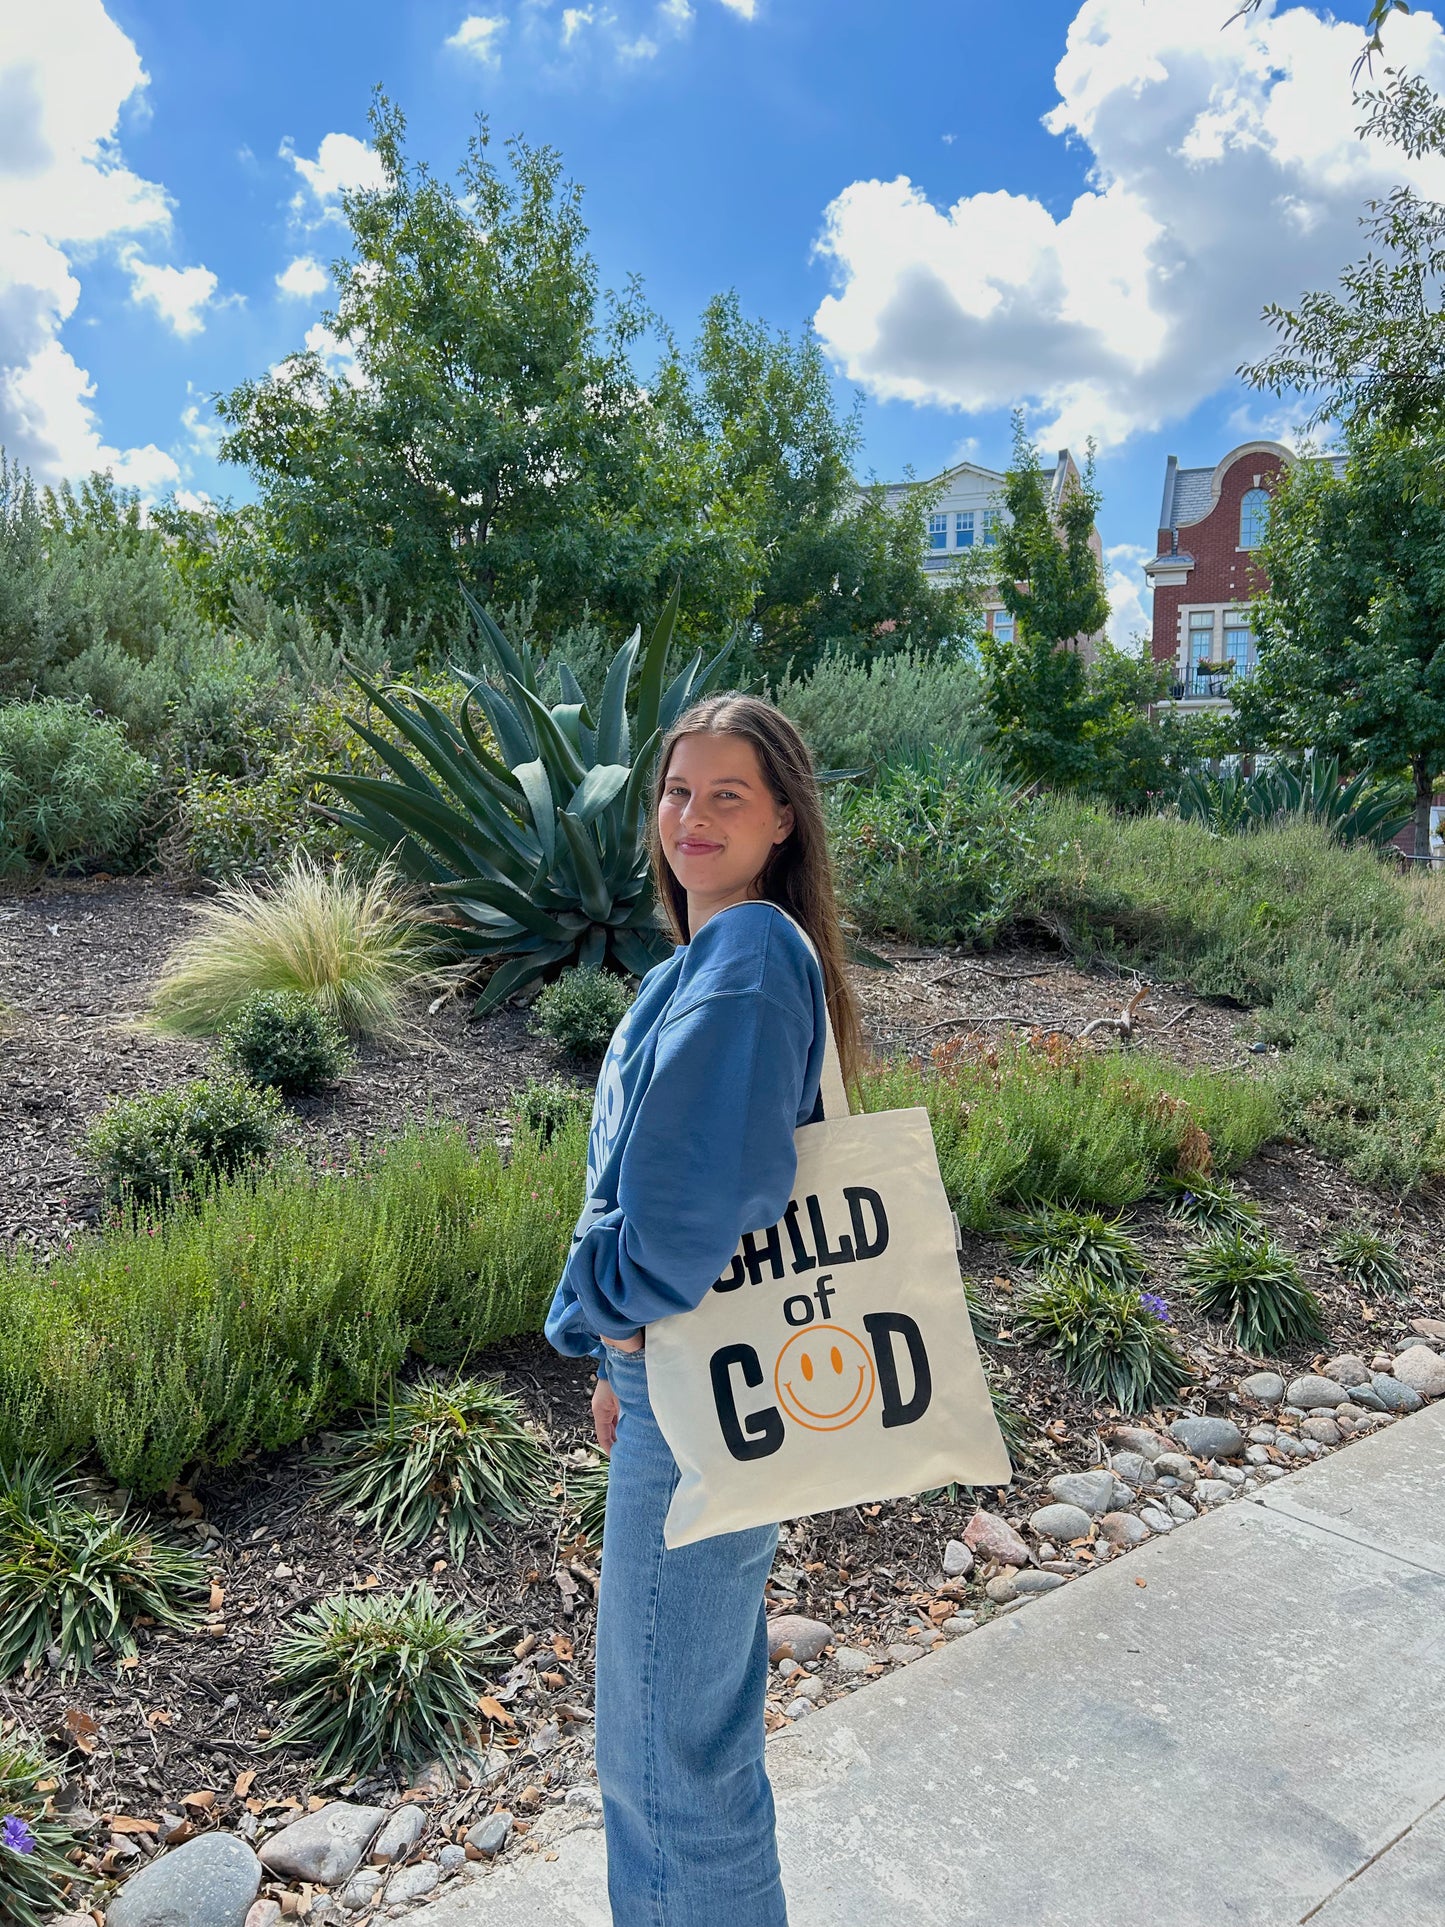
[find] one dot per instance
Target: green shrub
(1110, 1342)
(580, 1011)
(34, 1846)
(936, 852)
(544, 1108)
(1208, 1204)
(454, 1457)
(1019, 1126)
(1342, 959)
(75, 1579)
(279, 1038)
(70, 786)
(1371, 1262)
(863, 715)
(349, 943)
(280, 1303)
(1246, 1281)
(1062, 1237)
(371, 1678)
(146, 1149)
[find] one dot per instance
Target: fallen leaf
(562, 1646)
(244, 1782)
(495, 1711)
(553, 1680)
(81, 1730)
(127, 1823)
(201, 1800)
(160, 1717)
(316, 1803)
(218, 1597)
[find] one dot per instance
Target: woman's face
(717, 819)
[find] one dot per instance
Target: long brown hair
(798, 875)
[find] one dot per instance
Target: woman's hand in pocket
(604, 1414)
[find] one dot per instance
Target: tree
(1038, 690)
(1375, 348)
(1352, 627)
(492, 428)
(833, 566)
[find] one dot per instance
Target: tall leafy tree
(1352, 629)
(830, 565)
(490, 426)
(1039, 692)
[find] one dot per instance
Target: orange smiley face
(824, 1378)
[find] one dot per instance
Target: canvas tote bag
(834, 1361)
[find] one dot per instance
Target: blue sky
(1074, 205)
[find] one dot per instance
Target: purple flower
(16, 1835)
(1152, 1302)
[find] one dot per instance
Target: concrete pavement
(1254, 1737)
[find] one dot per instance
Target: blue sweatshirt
(713, 1068)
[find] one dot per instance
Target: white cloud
(342, 162)
(1130, 600)
(202, 431)
(66, 71)
(477, 37)
(747, 8)
(1225, 171)
(574, 19)
(304, 279)
(178, 295)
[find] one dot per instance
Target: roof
(1190, 493)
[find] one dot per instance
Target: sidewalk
(1254, 1738)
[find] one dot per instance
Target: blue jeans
(682, 1671)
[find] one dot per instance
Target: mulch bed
(192, 1716)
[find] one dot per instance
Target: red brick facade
(1205, 567)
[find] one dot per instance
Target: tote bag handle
(831, 1087)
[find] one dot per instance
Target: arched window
(1253, 518)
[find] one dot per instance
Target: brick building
(1211, 521)
(1204, 574)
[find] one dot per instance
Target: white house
(967, 516)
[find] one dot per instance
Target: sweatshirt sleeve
(710, 1154)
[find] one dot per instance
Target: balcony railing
(1197, 687)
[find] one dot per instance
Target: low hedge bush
(580, 1010)
(145, 1150)
(280, 1039)
(71, 787)
(279, 1303)
(937, 851)
(1028, 1125)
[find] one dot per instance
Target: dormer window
(1253, 518)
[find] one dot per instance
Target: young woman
(705, 1081)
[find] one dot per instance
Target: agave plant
(539, 850)
(1359, 810)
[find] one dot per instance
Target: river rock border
(1150, 1483)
